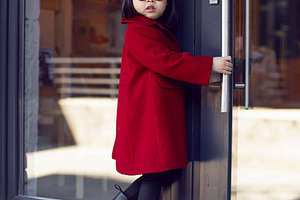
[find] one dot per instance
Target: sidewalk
(79, 172)
(268, 155)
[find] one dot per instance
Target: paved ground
(76, 172)
(268, 160)
(268, 156)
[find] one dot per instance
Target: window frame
(12, 37)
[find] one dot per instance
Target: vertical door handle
(225, 93)
(247, 53)
(245, 85)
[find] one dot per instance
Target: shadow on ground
(69, 187)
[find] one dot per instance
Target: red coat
(151, 127)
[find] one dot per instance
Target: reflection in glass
(266, 137)
(73, 51)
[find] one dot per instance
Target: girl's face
(151, 9)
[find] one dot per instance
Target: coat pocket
(169, 83)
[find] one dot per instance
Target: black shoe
(121, 195)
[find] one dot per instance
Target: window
(72, 64)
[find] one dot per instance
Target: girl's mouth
(150, 9)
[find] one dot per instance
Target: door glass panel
(73, 54)
(266, 150)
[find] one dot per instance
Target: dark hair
(168, 19)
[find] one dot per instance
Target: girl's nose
(151, 1)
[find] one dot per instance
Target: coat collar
(139, 19)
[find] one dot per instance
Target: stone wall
(32, 39)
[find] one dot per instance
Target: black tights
(149, 186)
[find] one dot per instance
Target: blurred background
(71, 102)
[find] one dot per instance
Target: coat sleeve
(148, 47)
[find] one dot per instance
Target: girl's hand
(222, 65)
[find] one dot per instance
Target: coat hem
(140, 172)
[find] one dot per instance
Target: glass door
(266, 136)
(72, 64)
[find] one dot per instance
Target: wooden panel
(291, 71)
(47, 19)
(51, 5)
(63, 29)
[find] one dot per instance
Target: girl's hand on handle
(222, 65)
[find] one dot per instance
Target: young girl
(151, 129)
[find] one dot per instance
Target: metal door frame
(3, 86)
(11, 66)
